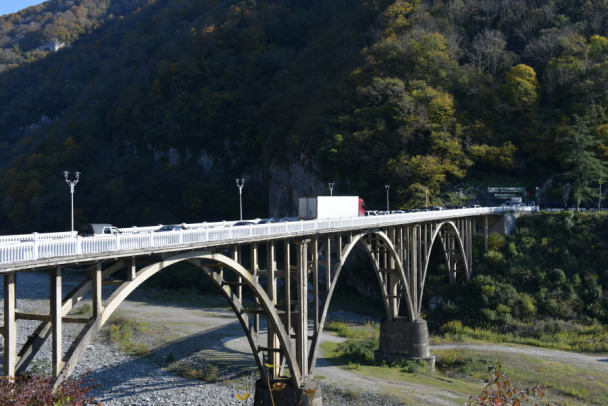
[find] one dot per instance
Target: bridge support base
(308, 395)
(401, 339)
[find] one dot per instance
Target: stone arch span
(450, 237)
(198, 258)
(391, 306)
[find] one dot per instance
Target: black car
(172, 227)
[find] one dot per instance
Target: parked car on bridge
(96, 230)
(267, 221)
(244, 223)
(172, 227)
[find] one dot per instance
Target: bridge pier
(402, 339)
(307, 395)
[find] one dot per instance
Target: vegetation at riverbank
(461, 371)
(544, 284)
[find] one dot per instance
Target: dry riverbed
(179, 335)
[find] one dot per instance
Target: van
(96, 230)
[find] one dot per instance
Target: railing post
(79, 241)
(35, 246)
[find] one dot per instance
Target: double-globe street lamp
(72, 183)
(240, 183)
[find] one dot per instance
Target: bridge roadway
(283, 288)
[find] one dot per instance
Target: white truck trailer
(327, 207)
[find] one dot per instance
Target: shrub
(359, 351)
(496, 242)
(499, 390)
(37, 390)
(493, 258)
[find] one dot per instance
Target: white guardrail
(32, 247)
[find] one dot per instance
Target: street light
(460, 197)
(72, 184)
(387, 187)
(426, 193)
(240, 183)
(331, 188)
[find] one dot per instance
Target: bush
(359, 351)
(37, 390)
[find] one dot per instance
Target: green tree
(582, 166)
(521, 89)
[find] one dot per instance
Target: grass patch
(84, 309)
(552, 334)
(367, 330)
(122, 331)
(207, 372)
(463, 371)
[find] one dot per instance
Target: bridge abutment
(402, 339)
(307, 395)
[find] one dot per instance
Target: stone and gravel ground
(182, 334)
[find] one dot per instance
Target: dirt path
(213, 334)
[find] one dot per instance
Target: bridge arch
(196, 258)
(448, 234)
(384, 285)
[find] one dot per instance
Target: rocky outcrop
(286, 184)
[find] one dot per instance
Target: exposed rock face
(301, 178)
(287, 184)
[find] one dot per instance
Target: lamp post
(387, 187)
(426, 195)
(240, 183)
(72, 184)
(460, 197)
(331, 188)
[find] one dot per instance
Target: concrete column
(274, 357)
(10, 325)
(315, 281)
(302, 300)
(309, 394)
(401, 339)
(96, 279)
(287, 290)
(56, 296)
(132, 271)
(485, 232)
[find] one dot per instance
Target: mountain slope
(163, 106)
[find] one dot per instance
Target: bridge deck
(36, 251)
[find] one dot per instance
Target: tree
(582, 166)
(521, 88)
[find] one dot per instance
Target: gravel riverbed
(131, 380)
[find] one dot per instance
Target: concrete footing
(401, 339)
(308, 395)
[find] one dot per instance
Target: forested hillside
(161, 104)
(546, 279)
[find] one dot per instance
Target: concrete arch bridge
(278, 278)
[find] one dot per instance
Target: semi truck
(327, 207)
